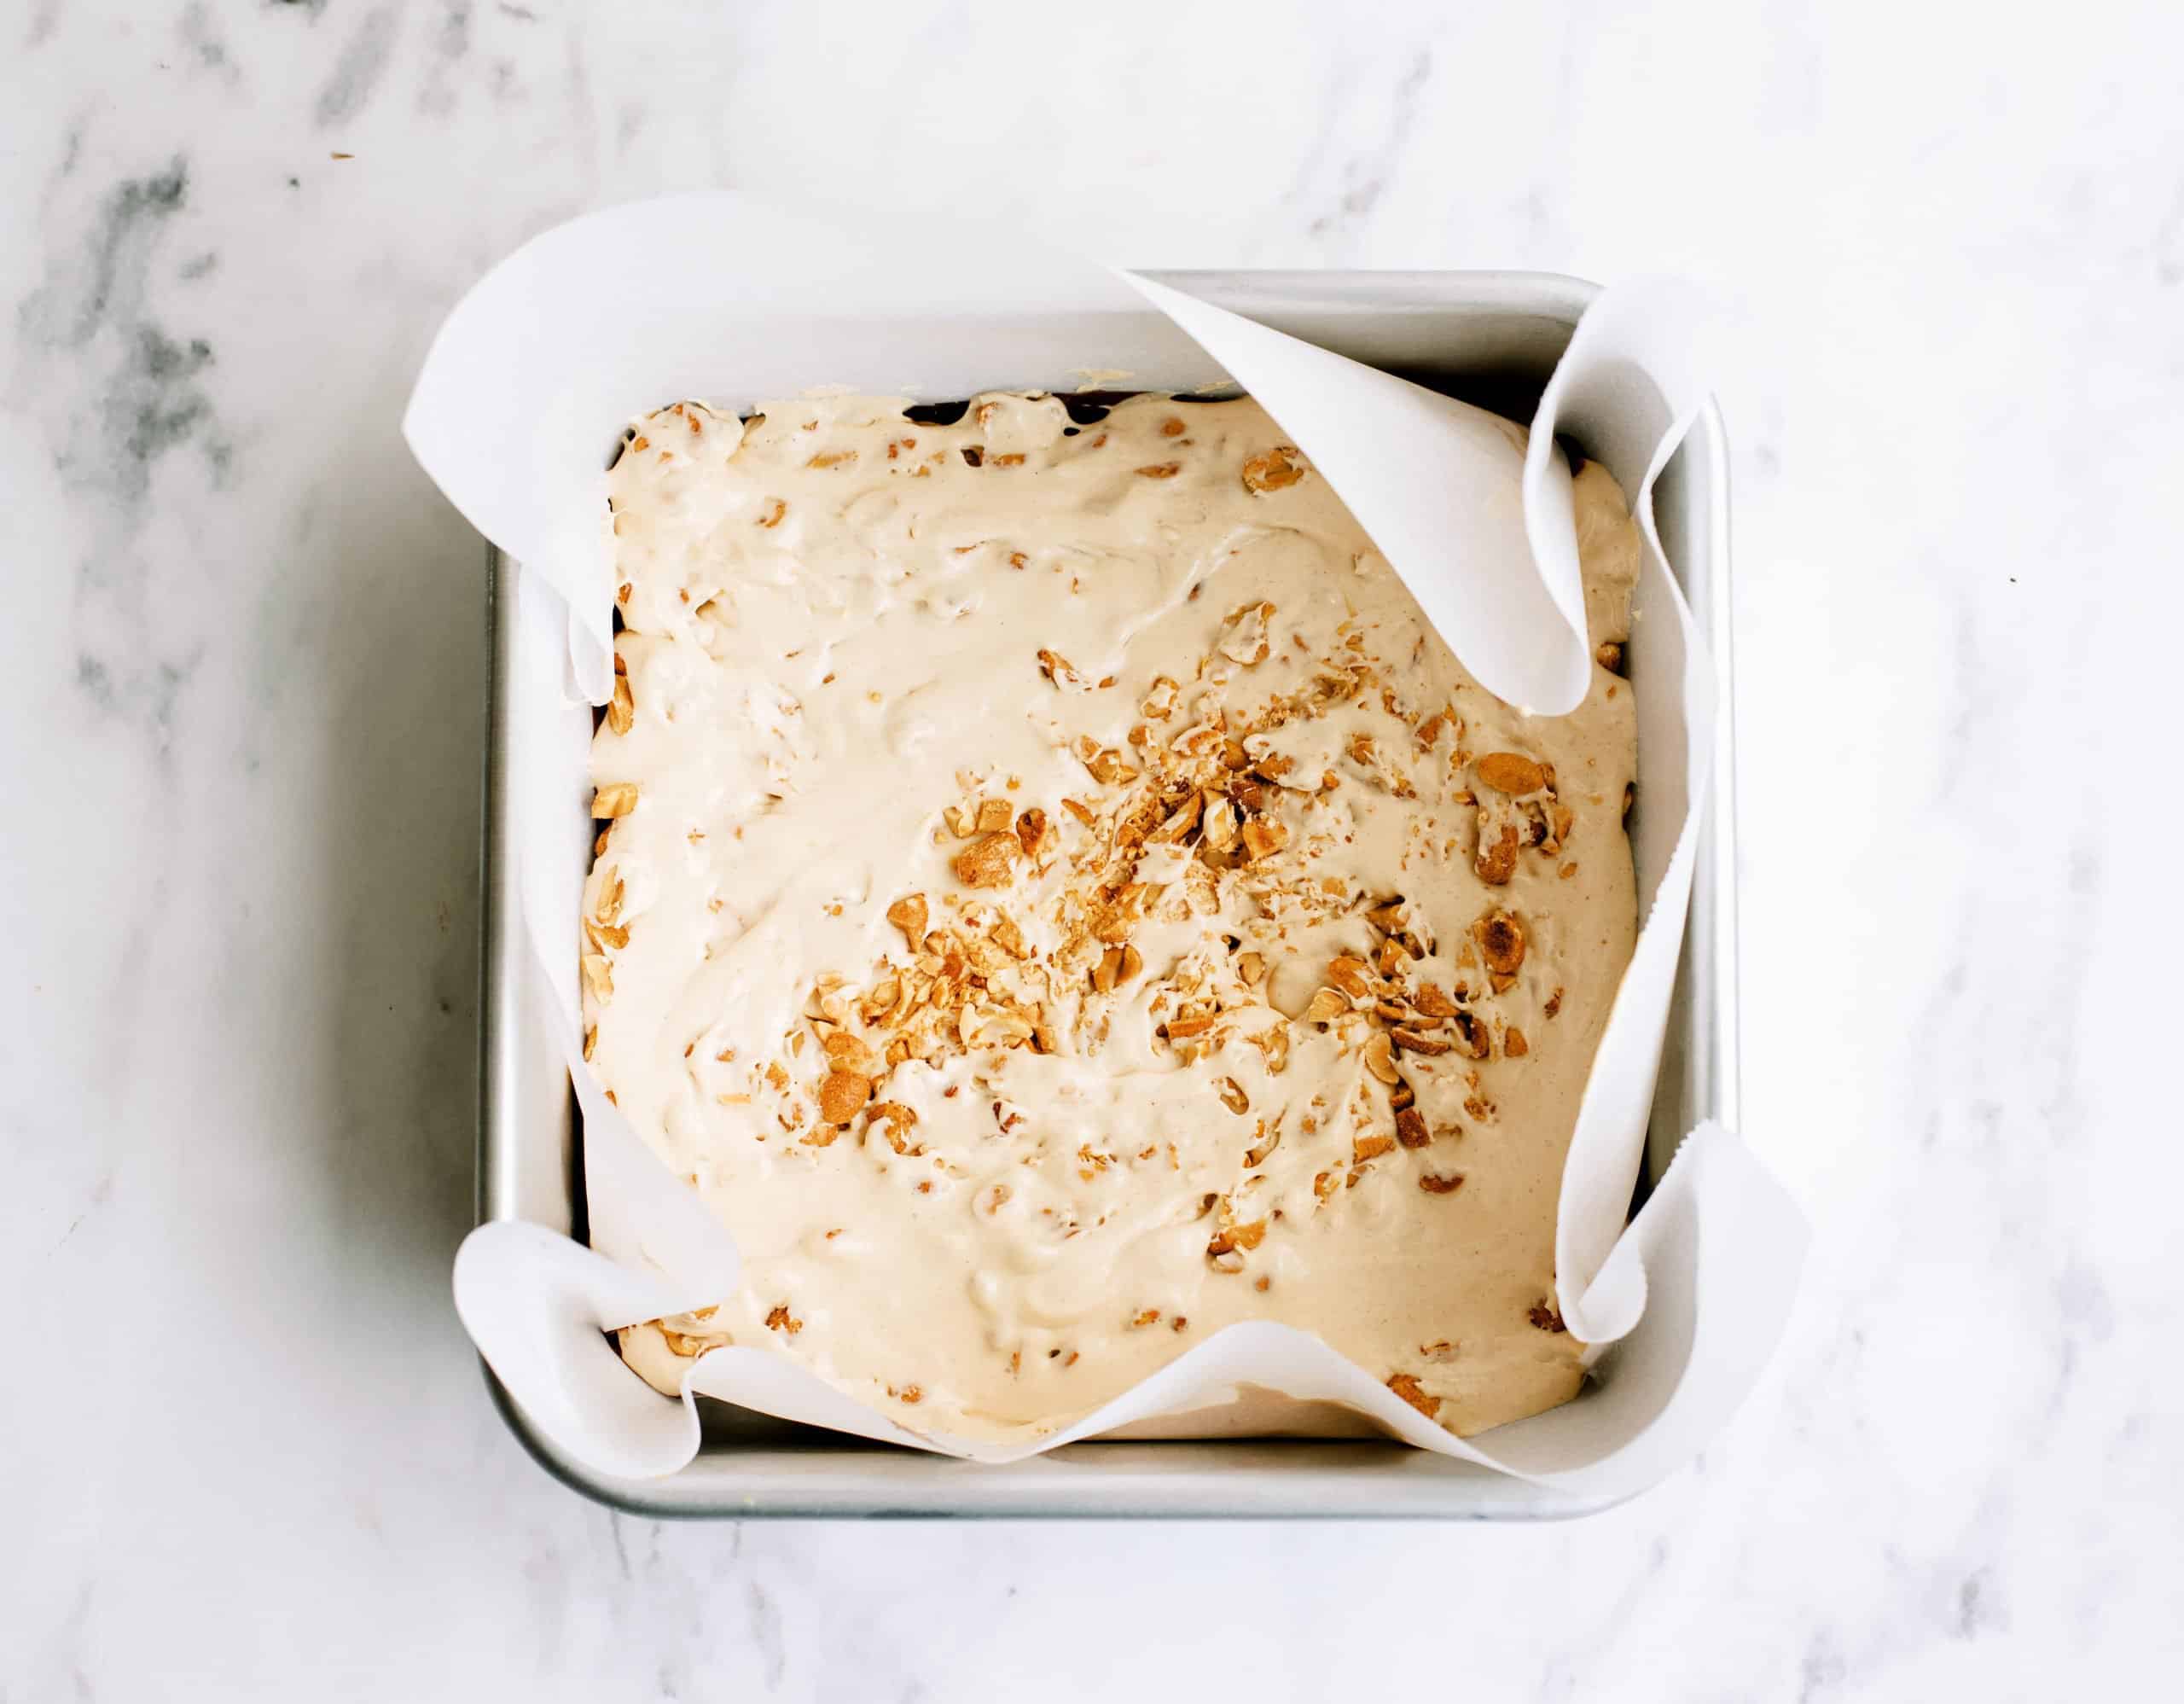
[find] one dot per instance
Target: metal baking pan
(1492, 339)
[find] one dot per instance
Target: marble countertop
(244, 1448)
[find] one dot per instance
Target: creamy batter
(1056, 898)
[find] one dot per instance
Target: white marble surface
(244, 1451)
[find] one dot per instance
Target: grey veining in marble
(243, 1447)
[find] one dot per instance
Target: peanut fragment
(1406, 1386)
(842, 1095)
(1234, 1237)
(989, 861)
(1056, 668)
(1117, 966)
(1501, 941)
(1512, 772)
(1279, 468)
(1033, 831)
(1263, 838)
(908, 913)
(1496, 862)
(1347, 973)
(1430, 1001)
(891, 1118)
(616, 799)
(1327, 1005)
(1411, 1129)
(1440, 1186)
(1108, 768)
(621, 709)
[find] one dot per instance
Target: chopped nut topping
(908, 913)
(1501, 941)
(1497, 861)
(781, 1320)
(1108, 769)
(1431, 1002)
(842, 1095)
(1279, 468)
(1160, 470)
(1033, 831)
(616, 799)
(1327, 1005)
(1406, 1386)
(1512, 772)
(893, 1120)
(1348, 974)
(1056, 668)
(1235, 1238)
(990, 861)
(1263, 838)
(1440, 1186)
(1411, 1129)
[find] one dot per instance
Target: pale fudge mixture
(1056, 898)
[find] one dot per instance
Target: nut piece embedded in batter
(1278, 470)
(989, 861)
(1510, 772)
(843, 1095)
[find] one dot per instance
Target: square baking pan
(1491, 338)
